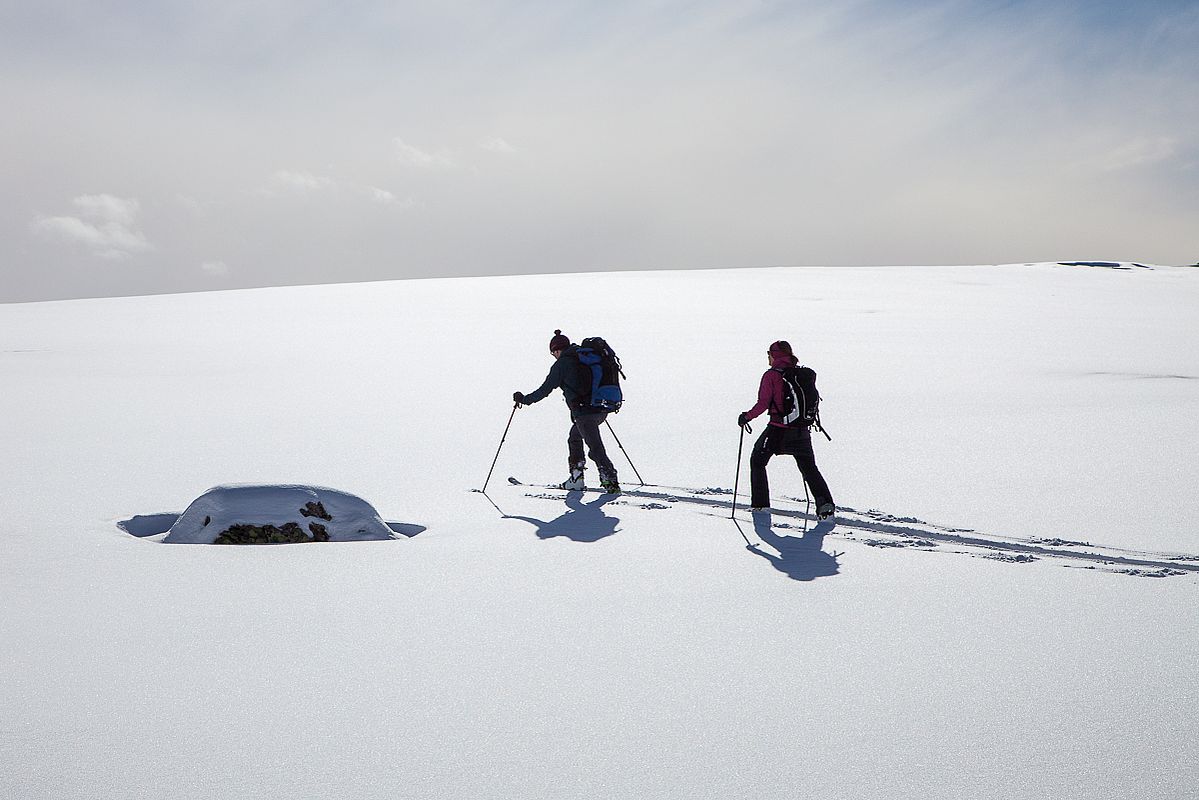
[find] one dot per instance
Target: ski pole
(807, 509)
(748, 543)
(497, 450)
(737, 480)
(626, 454)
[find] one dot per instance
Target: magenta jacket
(771, 392)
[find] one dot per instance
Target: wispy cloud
(497, 145)
(291, 183)
(217, 268)
(301, 181)
(413, 156)
(106, 225)
(1140, 152)
(388, 198)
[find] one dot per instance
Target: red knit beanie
(559, 342)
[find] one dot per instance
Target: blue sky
(185, 146)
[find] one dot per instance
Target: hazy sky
(181, 145)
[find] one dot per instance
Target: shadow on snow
(797, 555)
(582, 522)
(801, 558)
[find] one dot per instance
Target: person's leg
(588, 426)
(759, 486)
(574, 445)
(806, 459)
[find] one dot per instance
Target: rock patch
(290, 533)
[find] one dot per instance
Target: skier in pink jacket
(782, 437)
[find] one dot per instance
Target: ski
(516, 482)
(647, 489)
(714, 497)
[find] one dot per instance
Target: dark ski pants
(585, 428)
(776, 441)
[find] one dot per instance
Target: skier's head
(781, 351)
(559, 342)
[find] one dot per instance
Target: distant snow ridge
(261, 514)
(1106, 264)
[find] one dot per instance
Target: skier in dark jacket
(779, 438)
(567, 374)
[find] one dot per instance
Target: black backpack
(601, 371)
(801, 400)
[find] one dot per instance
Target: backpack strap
(775, 408)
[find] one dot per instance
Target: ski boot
(825, 510)
(575, 482)
(609, 484)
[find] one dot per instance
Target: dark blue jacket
(566, 374)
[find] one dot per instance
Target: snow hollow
(1004, 607)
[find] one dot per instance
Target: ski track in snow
(882, 530)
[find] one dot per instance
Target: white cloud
(1140, 152)
(415, 157)
(108, 209)
(302, 181)
(106, 225)
(216, 268)
(387, 198)
(294, 182)
(497, 145)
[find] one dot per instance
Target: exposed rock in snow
(275, 514)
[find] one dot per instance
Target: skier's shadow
(800, 558)
(582, 522)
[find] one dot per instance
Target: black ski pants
(585, 428)
(776, 441)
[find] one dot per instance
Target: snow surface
(1006, 610)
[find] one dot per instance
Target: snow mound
(247, 513)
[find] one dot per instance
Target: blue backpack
(601, 367)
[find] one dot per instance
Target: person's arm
(552, 380)
(766, 394)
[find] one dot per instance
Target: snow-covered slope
(1014, 446)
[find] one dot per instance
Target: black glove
(518, 398)
(741, 420)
